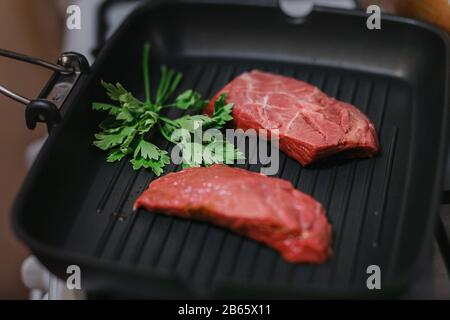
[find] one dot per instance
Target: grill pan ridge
(81, 213)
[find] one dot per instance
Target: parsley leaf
(114, 91)
(147, 150)
(189, 99)
(148, 155)
(115, 155)
(105, 141)
(112, 110)
(157, 166)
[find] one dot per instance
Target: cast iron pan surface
(75, 208)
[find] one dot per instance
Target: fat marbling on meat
(310, 124)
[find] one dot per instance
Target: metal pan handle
(67, 71)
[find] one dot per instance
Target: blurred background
(24, 30)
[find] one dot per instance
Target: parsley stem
(145, 58)
(164, 134)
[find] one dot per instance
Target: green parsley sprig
(212, 149)
(126, 129)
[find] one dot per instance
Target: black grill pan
(74, 208)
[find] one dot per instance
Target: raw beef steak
(266, 209)
(311, 124)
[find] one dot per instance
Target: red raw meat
(311, 124)
(266, 209)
